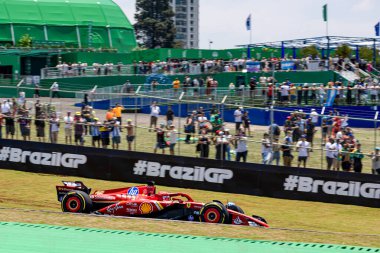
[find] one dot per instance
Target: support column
(13, 35)
(78, 37)
(109, 36)
(357, 56)
(294, 53)
(46, 33)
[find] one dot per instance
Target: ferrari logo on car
(146, 208)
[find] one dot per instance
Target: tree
(25, 41)
(154, 24)
(310, 50)
(343, 51)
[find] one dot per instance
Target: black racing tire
(214, 212)
(235, 208)
(76, 202)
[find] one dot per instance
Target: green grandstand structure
(70, 23)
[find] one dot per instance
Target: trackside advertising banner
(204, 174)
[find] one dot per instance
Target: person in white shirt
(154, 113)
(55, 89)
(54, 128)
(266, 149)
(337, 147)
(238, 114)
(284, 88)
(68, 120)
(172, 135)
(314, 116)
(303, 148)
(5, 107)
(241, 147)
(330, 149)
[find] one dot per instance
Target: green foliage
(366, 53)
(310, 50)
(154, 27)
(25, 41)
(343, 51)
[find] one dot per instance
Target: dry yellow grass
(303, 221)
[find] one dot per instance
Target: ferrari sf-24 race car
(143, 201)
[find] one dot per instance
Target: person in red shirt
(270, 93)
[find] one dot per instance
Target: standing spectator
(110, 114)
(9, 125)
(6, 107)
(357, 157)
(203, 144)
(246, 123)
(299, 94)
(252, 87)
(189, 127)
(220, 146)
(231, 88)
(270, 92)
(105, 134)
(337, 155)
(55, 90)
(68, 120)
(238, 114)
(115, 132)
(303, 151)
(276, 147)
(86, 114)
(169, 116)
(349, 93)
(36, 90)
(39, 122)
(172, 135)
(314, 117)
(330, 152)
(346, 158)
(95, 133)
(324, 129)
(284, 89)
(176, 85)
(266, 149)
(241, 147)
(54, 128)
(38, 107)
(287, 152)
(310, 131)
(24, 122)
(78, 129)
(154, 113)
(375, 156)
(306, 93)
(117, 111)
(202, 121)
(130, 134)
(160, 135)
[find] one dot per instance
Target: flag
(377, 29)
(325, 12)
(248, 23)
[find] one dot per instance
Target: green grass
(290, 220)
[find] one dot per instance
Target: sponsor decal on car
(146, 208)
(113, 209)
(132, 204)
(237, 221)
(102, 197)
(56, 159)
(351, 189)
(132, 210)
(133, 191)
(202, 174)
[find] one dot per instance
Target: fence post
(179, 120)
(92, 92)
(322, 141)
(136, 95)
(375, 127)
(18, 86)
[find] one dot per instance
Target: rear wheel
(214, 212)
(76, 202)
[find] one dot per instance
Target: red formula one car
(143, 201)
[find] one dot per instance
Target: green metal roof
(63, 13)
(22, 237)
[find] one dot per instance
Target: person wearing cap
(39, 122)
(54, 128)
(246, 123)
(284, 89)
(190, 126)
(303, 149)
(330, 149)
(79, 123)
(238, 114)
(130, 133)
(160, 134)
(357, 156)
(220, 146)
(314, 116)
(305, 94)
(169, 116)
(95, 133)
(105, 130)
(286, 149)
(241, 146)
(375, 157)
(68, 120)
(252, 87)
(203, 146)
(172, 135)
(115, 133)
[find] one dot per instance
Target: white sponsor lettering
(351, 189)
(202, 174)
(56, 159)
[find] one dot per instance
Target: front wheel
(214, 212)
(76, 202)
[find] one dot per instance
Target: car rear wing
(69, 186)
